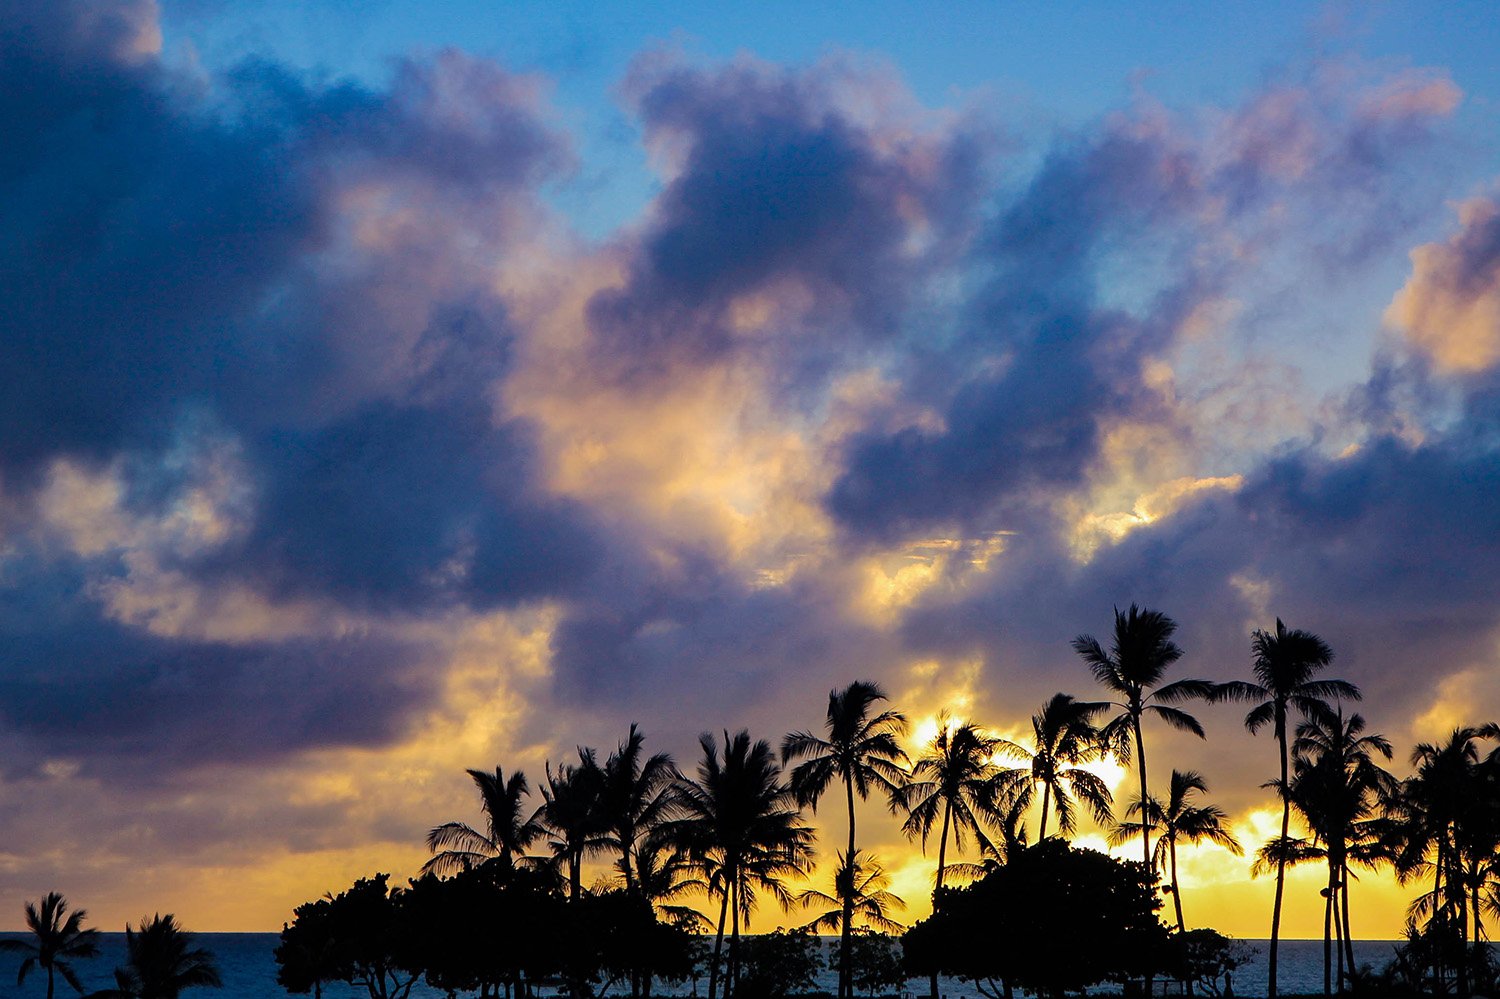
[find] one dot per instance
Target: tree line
(734, 831)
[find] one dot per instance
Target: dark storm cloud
(301, 270)
(779, 181)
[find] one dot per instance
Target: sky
(400, 388)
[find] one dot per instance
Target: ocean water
(248, 965)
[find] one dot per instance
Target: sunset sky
(393, 388)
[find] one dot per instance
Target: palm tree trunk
(1338, 943)
(713, 969)
(941, 870)
(49, 981)
(734, 941)
(1176, 891)
(1140, 755)
(1046, 802)
(1327, 937)
(1344, 899)
(846, 986)
(1437, 912)
(1286, 821)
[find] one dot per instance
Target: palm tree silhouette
(161, 962)
(861, 751)
(1063, 737)
(743, 827)
(636, 796)
(1177, 820)
(864, 881)
(1284, 665)
(509, 831)
(60, 939)
(1131, 669)
(572, 818)
(1336, 787)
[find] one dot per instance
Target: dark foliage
(1025, 923)
(779, 964)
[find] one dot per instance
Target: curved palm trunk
(1046, 801)
(1328, 934)
(713, 969)
(1140, 754)
(1339, 933)
(49, 981)
(846, 985)
(1286, 822)
(733, 985)
(1176, 891)
(941, 870)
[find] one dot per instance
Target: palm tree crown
(509, 831)
(1063, 738)
(637, 794)
(863, 880)
(161, 961)
(1132, 668)
(60, 939)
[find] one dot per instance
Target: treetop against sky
(397, 389)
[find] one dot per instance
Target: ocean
(248, 966)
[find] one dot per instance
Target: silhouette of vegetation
(1208, 959)
(1285, 663)
(60, 939)
(863, 883)
(1177, 820)
(862, 752)
(779, 964)
(1063, 739)
(1024, 924)
(161, 962)
(508, 834)
(875, 960)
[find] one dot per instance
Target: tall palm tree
(957, 778)
(637, 794)
(865, 881)
(1135, 663)
(572, 818)
(508, 831)
(1336, 787)
(1285, 663)
(742, 825)
(1063, 738)
(60, 939)
(1177, 821)
(161, 961)
(862, 753)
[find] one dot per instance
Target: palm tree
(742, 826)
(509, 831)
(572, 818)
(161, 961)
(865, 882)
(1336, 787)
(1131, 669)
(1178, 821)
(60, 939)
(861, 751)
(1063, 737)
(636, 796)
(958, 778)
(1284, 664)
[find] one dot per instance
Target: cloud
(1449, 309)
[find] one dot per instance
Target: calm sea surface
(248, 965)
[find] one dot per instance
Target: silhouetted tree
(862, 753)
(1054, 919)
(863, 881)
(1177, 820)
(741, 824)
(573, 816)
(1063, 738)
(59, 939)
(161, 962)
(781, 964)
(369, 931)
(1285, 663)
(637, 795)
(1135, 663)
(509, 830)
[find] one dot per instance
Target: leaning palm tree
(1063, 738)
(862, 753)
(161, 962)
(60, 939)
(1131, 669)
(1284, 666)
(742, 826)
(863, 880)
(1177, 821)
(636, 795)
(509, 830)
